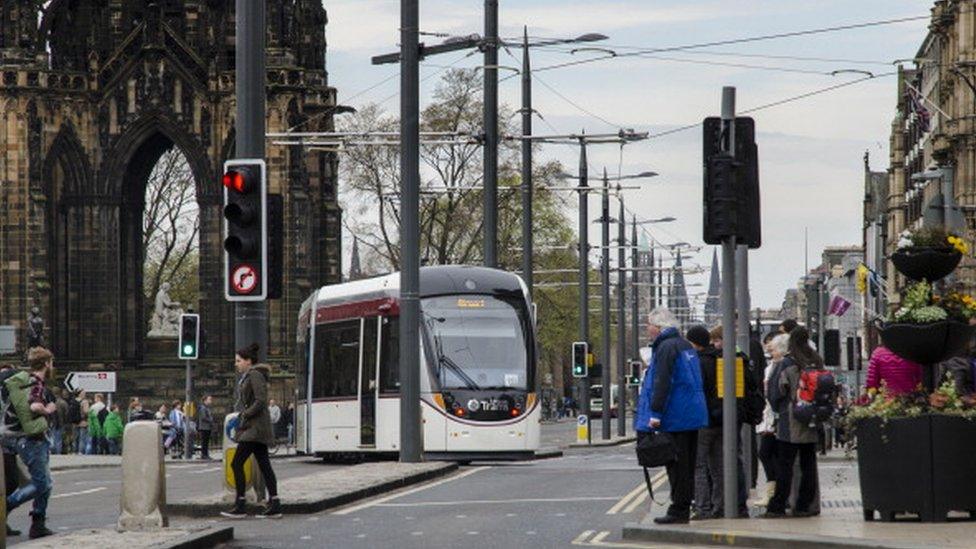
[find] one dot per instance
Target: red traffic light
(236, 181)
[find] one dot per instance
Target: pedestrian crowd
(784, 398)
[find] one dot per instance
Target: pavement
(841, 524)
(105, 538)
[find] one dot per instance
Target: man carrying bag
(670, 411)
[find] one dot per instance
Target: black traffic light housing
(731, 184)
(581, 352)
(246, 268)
(635, 373)
(189, 344)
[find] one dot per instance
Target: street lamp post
(605, 378)
(491, 134)
(621, 321)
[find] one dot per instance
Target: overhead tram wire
(800, 58)
(744, 40)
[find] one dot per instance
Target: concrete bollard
(253, 483)
(143, 500)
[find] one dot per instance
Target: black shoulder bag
(654, 449)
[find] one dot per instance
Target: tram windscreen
(477, 342)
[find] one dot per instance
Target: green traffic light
(188, 350)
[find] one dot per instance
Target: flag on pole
(916, 104)
(838, 306)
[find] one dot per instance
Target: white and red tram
(478, 367)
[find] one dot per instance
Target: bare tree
(171, 226)
(451, 210)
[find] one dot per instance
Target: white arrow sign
(92, 382)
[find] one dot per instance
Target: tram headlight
(515, 412)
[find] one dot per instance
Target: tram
(478, 367)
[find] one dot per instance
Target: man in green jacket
(113, 430)
(96, 425)
(32, 405)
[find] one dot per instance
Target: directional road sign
(92, 382)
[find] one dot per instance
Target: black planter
(926, 263)
(926, 343)
(917, 465)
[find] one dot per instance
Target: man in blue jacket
(672, 400)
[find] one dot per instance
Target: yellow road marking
(581, 539)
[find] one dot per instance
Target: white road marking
(382, 500)
(416, 533)
(313, 519)
(360, 536)
(580, 539)
(306, 537)
(495, 502)
(530, 533)
(472, 533)
(207, 470)
(81, 493)
(597, 539)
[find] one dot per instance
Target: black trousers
(681, 473)
(260, 452)
(787, 452)
(10, 473)
(205, 444)
(768, 456)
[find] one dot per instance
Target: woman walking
(793, 436)
(778, 347)
(254, 433)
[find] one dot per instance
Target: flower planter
(929, 264)
(926, 343)
(920, 465)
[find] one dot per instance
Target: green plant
(931, 237)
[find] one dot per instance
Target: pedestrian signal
(189, 343)
(581, 351)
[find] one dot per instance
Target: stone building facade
(933, 136)
(92, 92)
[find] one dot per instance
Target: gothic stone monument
(92, 92)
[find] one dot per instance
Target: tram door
(368, 375)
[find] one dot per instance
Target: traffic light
(635, 373)
(245, 230)
(189, 345)
(581, 352)
(731, 186)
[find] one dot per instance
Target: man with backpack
(27, 408)
(96, 425)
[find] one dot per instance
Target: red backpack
(815, 395)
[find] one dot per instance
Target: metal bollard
(254, 489)
(143, 500)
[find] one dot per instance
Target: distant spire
(679, 294)
(712, 301)
(355, 267)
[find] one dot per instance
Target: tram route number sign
(244, 279)
(92, 382)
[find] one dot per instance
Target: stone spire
(679, 302)
(355, 266)
(713, 300)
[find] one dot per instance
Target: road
(583, 498)
(89, 498)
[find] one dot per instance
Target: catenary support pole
(729, 420)
(527, 251)
(635, 279)
(621, 321)
(605, 377)
(411, 441)
(250, 318)
(584, 277)
(187, 404)
(491, 133)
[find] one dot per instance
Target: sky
(811, 151)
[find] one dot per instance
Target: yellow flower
(862, 278)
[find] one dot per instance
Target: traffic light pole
(729, 423)
(605, 378)
(411, 436)
(187, 441)
(250, 318)
(742, 340)
(527, 252)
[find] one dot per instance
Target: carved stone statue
(35, 328)
(165, 321)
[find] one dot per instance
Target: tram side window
(336, 360)
(390, 357)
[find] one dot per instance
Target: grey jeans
(708, 471)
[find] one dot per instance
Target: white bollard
(143, 478)
(253, 483)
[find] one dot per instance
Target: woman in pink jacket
(899, 375)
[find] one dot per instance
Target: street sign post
(91, 382)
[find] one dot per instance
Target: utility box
(8, 340)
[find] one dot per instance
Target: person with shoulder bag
(671, 409)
